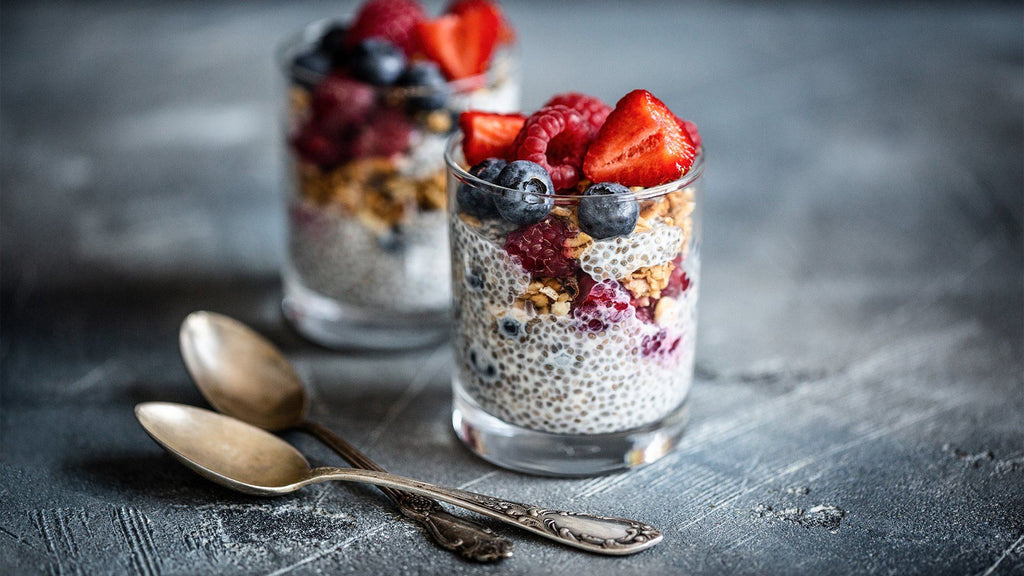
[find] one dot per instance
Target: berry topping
(541, 248)
(387, 132)
(428, 89)
(488, 135)
(529, 198)
(594, 111)
(640, 144)
(474, 201)
(607, 209)
(555, 137)
(461, 43)
(341, 102)
(662, 346)
(393, 20)
(506, 34)
(600, 304)
(377, 61)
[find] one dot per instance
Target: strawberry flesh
(506, 34)
(462, 44)
(640, 144)
(488, 135)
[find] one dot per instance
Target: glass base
(566, 455)
(336, 325)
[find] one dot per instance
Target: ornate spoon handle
(467, 538)
(598, 534)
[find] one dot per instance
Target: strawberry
(488, 135)
(506, 34)
(393, 20)
(640, 144)
(462, 44)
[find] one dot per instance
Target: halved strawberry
(640, 144)
(488, 135)
(462, 44)
(506, 34)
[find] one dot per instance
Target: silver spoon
(251, 460)
(242, 374)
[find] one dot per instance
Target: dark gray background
(861, 316)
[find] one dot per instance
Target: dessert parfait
(371, 104)
(575, 261)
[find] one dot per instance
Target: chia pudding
(575, 265)
(371, 105)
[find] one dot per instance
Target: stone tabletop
(859, 405)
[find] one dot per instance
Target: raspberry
(540, 248)
(556, 137)
(601, 303)
(341, 102)
(313, 145)
(594, 111)
(662, 346)
(678, 281)
(386, 133)
(393, 20)
(644, 309)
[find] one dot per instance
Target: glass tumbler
(584, 373)
(367, 255)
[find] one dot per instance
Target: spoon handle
(467, 538)
(598, 534)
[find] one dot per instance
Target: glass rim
(309, 34)
(463, 175)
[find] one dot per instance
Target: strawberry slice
(506, 34)
(488, 135)
(640, 144)
(462, 44)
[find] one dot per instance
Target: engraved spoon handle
(598, 534)
(465, 537)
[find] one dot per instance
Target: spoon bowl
(240, 373)
(225, 450)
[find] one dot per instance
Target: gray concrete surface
(860, 404)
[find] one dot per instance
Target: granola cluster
(549, 296)
(371, 189)
(649, 281)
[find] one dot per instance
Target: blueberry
(377, 61)
(529, 199)
(474, 279)
(431, 90)
(394, 241)
(332, 43)
(309, 67)
(482, 364)
(607, 209)
(510, 327)
(475, 201)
